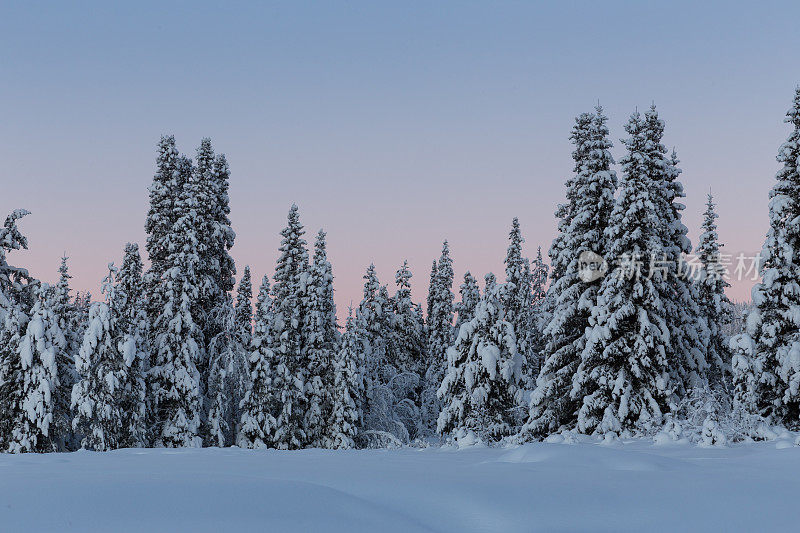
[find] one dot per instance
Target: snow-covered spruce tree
(518, 300)
(389, 415)
(289, 309)
(127, 302)
(260, 405)
(244, 309)
(348, 390)
(96, 397)
(431, 291)
(623, 381)
(39, 351)
(481, 389)
(69, 323)
(541, 308)
(470, 296)
(766, 360)
(406, 352)
(321, 336)
(440, 335)
(16, 299)
(715, 307)
(178, 343)
(216, 268)
(679, 295)
(67, 311)
(539, 271)
(227, 380)
(582, 222)
(408, 326)
(228, 372)
(372, 327)
(171, 172)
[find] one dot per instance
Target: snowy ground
(536, 487)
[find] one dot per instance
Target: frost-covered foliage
(679, 294)
(540, 315)
(69, 322)
(387, 410)
(16, 299)
(623, 380)
(766, 358)
(178, 344)
(470, 296)
(172, 170)
(244, 307)
(715, 306)
(98, 416)
(518, 303)
(215, 270)
(259, 405)
(406, 352)
(164, 192)
(582, 221)
(348, 390)
(481, 392)
(228, 375)
(128, 303)
(321, 337)
(228, 370)
(440, 334)
(109, 398)
(290, 306)
(189, 208)
(39, 351)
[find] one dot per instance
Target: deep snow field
(634, 486)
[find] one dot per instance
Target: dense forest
(617, 335)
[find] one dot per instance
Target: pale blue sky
(391, 125)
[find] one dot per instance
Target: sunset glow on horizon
(391, 128)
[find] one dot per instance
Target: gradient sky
(393, 126)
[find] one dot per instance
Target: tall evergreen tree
(372, 327)
(16, 299)
(540, 314)
(518, 304)
(259, 406)
(39, 351)
(178, 343)
(582, 222)
(226, 382)
(406, 352)
(715, 306)
(290, 307)
(348, 390)
(172, 171)
(765, 363)
(440, 334)
(431, 290)
(69, 324)
(128, 303)
(321, 337)
(481, 389)
(688, 335)
(408, 326)
(96, 397)
(216, 268)
(244, 309)
(623, 381)
(163, 194)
